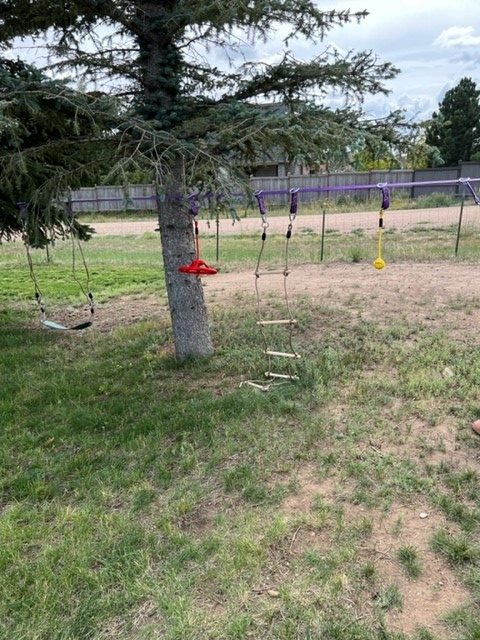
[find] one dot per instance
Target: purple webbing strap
(293, 202)
(471, 189)
(261, 203)
(360, 187)
(385, 196)
(194, 206)
(23, 210)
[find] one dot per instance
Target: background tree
(197, 114)
(455, 129)
(375, 154)
(420, 155)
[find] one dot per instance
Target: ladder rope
(275, 379)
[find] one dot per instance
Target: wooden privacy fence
(137, 197)
(143, 197)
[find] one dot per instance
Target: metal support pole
(459, 227)
(323, 236)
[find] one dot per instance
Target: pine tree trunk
(162, 66)
(188, 311)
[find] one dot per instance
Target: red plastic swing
(197, 267)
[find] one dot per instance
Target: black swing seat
(51, 324)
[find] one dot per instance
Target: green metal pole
(459, 227)
(323, 236)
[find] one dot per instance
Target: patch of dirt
(440, 295)
(436, 592)
(128, 310)
(424, 442)
(437, 295)
(308, 489)
(346, 222)
(147, 615)
(427, 599)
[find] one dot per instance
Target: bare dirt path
(367, 220)
(436, 295)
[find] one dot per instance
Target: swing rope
(76, 245)
(23, 216)
(379, 262)
(51, 324)
(197, 267)
(272, 378)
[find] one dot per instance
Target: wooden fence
(142, 197)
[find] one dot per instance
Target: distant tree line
(450, 136)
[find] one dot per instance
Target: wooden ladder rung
(281, 354)
(266, 322)
(256, 385)
(283, 376)
(272, 273)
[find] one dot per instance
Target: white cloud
(457, 37)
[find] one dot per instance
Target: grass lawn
(146, 499)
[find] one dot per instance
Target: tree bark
(188, 312)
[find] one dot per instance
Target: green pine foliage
(179, 99)
(49, 135)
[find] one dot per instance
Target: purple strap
(194, 206)
(261, 203)
(293, 202)
(385, 196)
(359, 187)
(472, 190)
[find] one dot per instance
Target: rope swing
(197, 267)
(84, 287)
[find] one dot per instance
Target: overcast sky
(434, 42)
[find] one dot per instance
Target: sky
(434, 43)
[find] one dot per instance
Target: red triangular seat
(198, 268)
